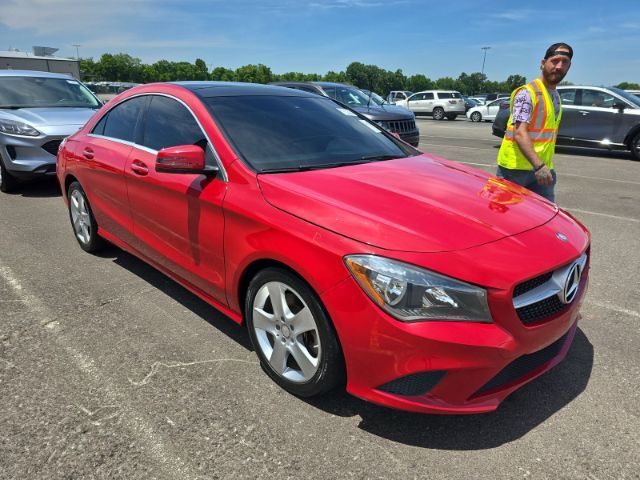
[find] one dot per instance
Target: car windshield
(627, 96)
(351, 96)
(375, 98)
(288, 133)
(42, 92)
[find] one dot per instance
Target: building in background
(41, 59)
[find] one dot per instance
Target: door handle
(88, 153)
(584, 113)
(139, 167)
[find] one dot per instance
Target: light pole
(77, 45)
(485, 57)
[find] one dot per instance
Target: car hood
(385, 112)
(420, 204)
(50, 116)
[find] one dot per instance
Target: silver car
(37, 111)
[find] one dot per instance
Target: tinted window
(449, 95)
(597, 98)
(169, 124)
(99, 128)
(276, 133)
(122, 119)
(330, 91)
(417, 96)
(568, 96)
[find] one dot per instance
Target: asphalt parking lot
(108, 369)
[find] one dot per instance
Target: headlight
(383, 124)
(410, 293)
(13, 127)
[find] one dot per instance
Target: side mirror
(619, 105)
(182, 159)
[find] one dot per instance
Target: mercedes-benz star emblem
(561, 236)
(571, 284)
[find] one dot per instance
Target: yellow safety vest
(543, 130)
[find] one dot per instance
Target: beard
(553, 78)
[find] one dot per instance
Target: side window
(568, 96)
(428, 96)
(121, 120)
(597, 98)
(444, 95)
(307, 89)
(417, 96)
(169, 124)
(99, 128)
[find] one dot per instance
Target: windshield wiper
(377, 158)
(11, 107)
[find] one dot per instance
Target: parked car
(437, 103)
(478, 100)
(634, 92)
(594, 117)
(490, 97)
(398, 95)
(390, 117)
(37, 110)
(484, 112)
(469, 103)
(352, 258)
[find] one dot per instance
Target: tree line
(121, 67)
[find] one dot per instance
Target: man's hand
(543, 176)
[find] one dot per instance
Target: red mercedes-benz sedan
(352, 258)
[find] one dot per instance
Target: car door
(492, 109)
(596, 120)
(416, 103)
(178, 218)
(570, 113)
(103, 154)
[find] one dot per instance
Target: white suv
(439, 103)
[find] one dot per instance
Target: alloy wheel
(286, 332)
(80, 217)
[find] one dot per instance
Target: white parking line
(608, 306)
(587, 212)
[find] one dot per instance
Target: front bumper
(444, 367)
(412, 138)
(30, 157)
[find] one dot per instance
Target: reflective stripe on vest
(543, 130)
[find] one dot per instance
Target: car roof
(438, 91)
(34, 73)
(232, 89)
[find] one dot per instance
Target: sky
(434, 38)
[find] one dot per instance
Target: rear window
(449, 95)
(274, 133)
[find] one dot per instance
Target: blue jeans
(527, 179)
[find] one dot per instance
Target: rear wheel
(635, 147)
(8, 182)
(292, 334)
(476, 116)
(83, 222)
(438, 113)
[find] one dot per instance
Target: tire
(85, 227)
(438, 113)
(476, 117)
(452, 116)
(8, 182)
(299, 350)
(635, 147)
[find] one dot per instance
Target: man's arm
(543, 174)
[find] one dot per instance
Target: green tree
(119, 67)
(446, 83)
(628, 86)
(222, 74)
(201, 70)
(513, 82)
(254, 74)
(415, 83)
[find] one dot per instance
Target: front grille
(539, 311)
(523, 366)
(524, 287)
(52, 147)
(402, 126)
(414, 384)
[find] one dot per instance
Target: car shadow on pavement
(44, 188)
(594, 152)
(176, 291)
(520, 413)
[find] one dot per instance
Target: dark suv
(390, 117)
(594, 117)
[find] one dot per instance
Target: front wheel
(83, 222)
(438, 113)
(8, 182)
(292, 334)
(635, 147)
(476, 116)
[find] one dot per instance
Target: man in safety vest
(526, 153)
